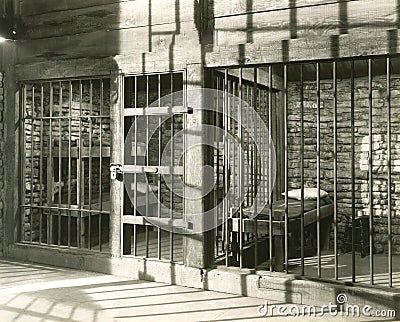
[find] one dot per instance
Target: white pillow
(309, 194)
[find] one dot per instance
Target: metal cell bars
(237, 87)
(65, 150)
(152, 100)
(334, 129)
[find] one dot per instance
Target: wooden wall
(249, 31)
(77, 37)
(93, 37)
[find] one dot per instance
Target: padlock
(116, 172)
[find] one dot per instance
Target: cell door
(65, 150)
(154, 116)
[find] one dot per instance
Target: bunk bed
(74, 204)
(260, 224)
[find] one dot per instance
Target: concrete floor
(381, 275)
(34, 292)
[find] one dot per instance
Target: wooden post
(11, 212)
(198, 248)
(117, 144)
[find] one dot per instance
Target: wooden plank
(240, 7)
(363, 15)
(135, 63)
(65, 69)
(117, 143)
(12, 135)
(29, 7)
(115, 16)
(360, 44)
(175, 60)
(100, 44)
(237, 7)
(198, 247)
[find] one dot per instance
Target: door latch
(116, 171)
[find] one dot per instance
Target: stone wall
(87, 128)
(1, 163)
(379, 149)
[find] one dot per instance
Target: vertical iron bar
(101, 162)
(159, 232)
(270, 154)
(302, 166)
(41, 165)
(60, 159)
(285, 85)
(256, 129)
(225, 130)
(353, 213)
(171, 195)
(319, 169)
(32, 160)
(50, 170)
(90, 163)
(247, 139)
(240, 172)
(265, 149)
(216, 164)
(232, 127)
(370, 177)
(184, 125)
(335, 171)
(389, 170)
(23, 170)
(79, 170)
(147, 163)
(251, 148)
(135, 175)
(70, 169)
(221, 79)
(250, 124)
(229, 122)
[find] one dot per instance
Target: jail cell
(65, 157)
(334, 210)
(152, 188)
(242, 84)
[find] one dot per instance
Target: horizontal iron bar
(62, 80)
(171, 170)
(71, 208)
(85, 152)
(140, 220)
(159, 110)
(66, 117)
